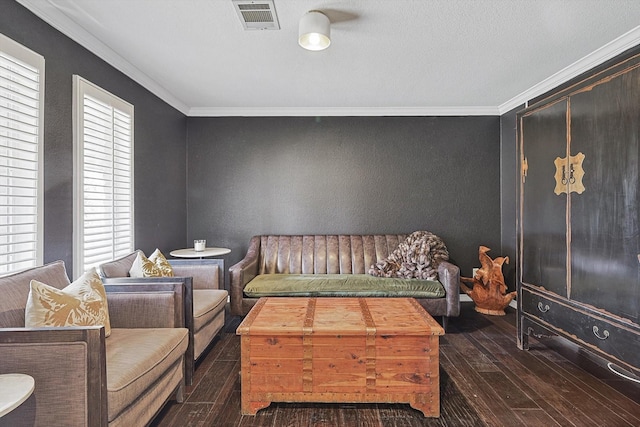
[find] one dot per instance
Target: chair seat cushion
(341, 285)
(136, 358)
(207, 303)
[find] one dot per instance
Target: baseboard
(466, 298)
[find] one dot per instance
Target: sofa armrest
(449, 275)
(242, 273)
(67, 361)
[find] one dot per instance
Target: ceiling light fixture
(314, 31)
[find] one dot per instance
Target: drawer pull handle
(543, 308)
(605, 333)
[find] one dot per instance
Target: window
(21, 124)
(103, 176)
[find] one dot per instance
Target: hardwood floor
(553, 384)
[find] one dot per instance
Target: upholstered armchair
(205, 301)
(81, 376)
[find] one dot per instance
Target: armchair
(83, 378)
(205, 300)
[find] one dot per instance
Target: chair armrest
(206, 273)
(242, 273)
(153, 302)
(71, 361)
(449, 276)
(149, 302)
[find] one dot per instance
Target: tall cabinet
(579, 215)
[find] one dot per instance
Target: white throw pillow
(161, 263)
(82, 303)
(144, 267)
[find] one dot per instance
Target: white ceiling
(387, 57)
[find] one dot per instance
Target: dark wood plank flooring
(553, 384)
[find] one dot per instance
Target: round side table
(192, 253)
(14, 390)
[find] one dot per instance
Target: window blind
(21, 93)
(104, 177)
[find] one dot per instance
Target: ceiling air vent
(257, 14)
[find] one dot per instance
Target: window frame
(82, 87)
(25, 55)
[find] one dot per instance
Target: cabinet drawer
(615, 340)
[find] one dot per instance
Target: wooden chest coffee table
(340, 350)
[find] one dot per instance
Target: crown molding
(615, 47)
(50, 14)
(339, 111)
(46, 11)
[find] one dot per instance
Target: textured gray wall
(160, 134)
(352, 175)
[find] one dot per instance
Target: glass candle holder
(199, 245)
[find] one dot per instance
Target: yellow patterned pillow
(144, 267)
(82, 303)
(161, 262)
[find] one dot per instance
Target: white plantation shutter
(21, 194)
(103, 177)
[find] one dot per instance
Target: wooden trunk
(340, 350)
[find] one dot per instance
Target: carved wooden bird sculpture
(489, 291)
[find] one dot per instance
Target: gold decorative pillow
(144, 267)
(161, 263)
(82, 303)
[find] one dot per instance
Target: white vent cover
(257, 14)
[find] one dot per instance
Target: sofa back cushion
(324, 254)
(118, 267)
(15, 287)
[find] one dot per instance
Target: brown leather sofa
(330, 254)
(83, 378)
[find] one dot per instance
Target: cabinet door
(605, 218)
(543, 245)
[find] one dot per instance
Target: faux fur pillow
(417, 257)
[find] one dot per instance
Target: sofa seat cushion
(207, 303)
(136, 359)
(341, 285)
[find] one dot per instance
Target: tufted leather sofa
(330, 254)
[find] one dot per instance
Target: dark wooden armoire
(579, 219)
